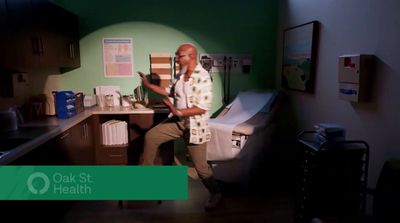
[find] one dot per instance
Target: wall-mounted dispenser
(355, 74)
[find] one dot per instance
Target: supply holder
(355, 77)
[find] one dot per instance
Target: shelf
(115, 146)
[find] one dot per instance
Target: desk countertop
(60, 125)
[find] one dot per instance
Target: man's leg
(198, 152)
(163, 132)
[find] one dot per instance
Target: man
(192, 96)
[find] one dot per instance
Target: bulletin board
(118, 57)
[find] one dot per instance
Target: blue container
(65, 104)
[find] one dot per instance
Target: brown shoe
(213, 201)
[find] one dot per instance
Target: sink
(12, 139)
(30, 132)
(7, 144)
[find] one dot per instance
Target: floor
(261, 201)
(237, 206)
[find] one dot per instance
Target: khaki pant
(171, 129)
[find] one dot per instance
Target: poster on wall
(299, 57)
(118, 57)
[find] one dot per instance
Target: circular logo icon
(39, 175)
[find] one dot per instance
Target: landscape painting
(299, 57)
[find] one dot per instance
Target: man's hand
(171, 107)
(145, 82)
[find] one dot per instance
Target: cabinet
(3, 34)
(355, 77)
(69, 53)
(76, 144)
(331, 179)
(108, 155)
(40, 36)
(72, 147)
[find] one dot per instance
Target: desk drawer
(112, 155)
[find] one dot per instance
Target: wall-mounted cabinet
(355, 77)
(69, 52)
(39, 36)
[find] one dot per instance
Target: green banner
(93, 183)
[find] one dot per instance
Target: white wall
(355, 26)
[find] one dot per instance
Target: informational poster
(118, 57)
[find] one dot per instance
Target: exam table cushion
(254, 124)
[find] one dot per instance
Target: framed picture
(299, 57)
(118, 57)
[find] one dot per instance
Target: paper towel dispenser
(355, 74)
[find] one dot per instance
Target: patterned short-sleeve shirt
(200, 95)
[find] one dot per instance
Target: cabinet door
(40, 36)
(24, 47)
(49, 153)
(79, 150)
(4, 39)
(50, 31)
(69, 40)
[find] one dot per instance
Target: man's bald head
(188, 48)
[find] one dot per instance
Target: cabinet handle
(115, 155)
(87, 131)
(35, 45)
(41, 52)
(72, 50)
(69, 51)
(84, 131)
(64, 136)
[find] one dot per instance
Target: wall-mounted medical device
(355, 74)
(231, 63)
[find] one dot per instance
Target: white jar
(109, 100)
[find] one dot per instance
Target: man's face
(182, 57)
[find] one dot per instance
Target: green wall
(160, 26)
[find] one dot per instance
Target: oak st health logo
(59, 183)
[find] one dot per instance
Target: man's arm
(183, 112)
(157, 89)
